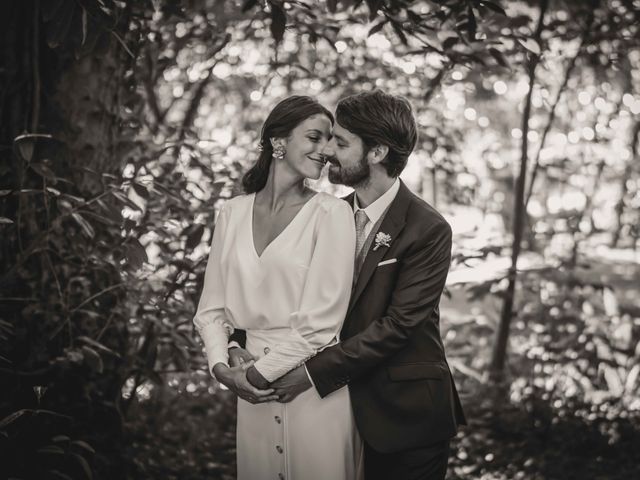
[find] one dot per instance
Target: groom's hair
(381, 119)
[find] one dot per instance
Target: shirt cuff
(308, 375)
(233, 344)
(215, 343)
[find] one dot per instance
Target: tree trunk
(500, 349)
(635, 136)
(61, 131)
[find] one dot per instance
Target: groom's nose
(327, 149)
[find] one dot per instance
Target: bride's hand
(235, 379)
(238, 356)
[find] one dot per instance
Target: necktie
(361, 222)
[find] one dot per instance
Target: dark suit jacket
(390, 352)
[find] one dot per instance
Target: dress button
(266, 350)
(278, 419)
(279, 449)
(281, 476)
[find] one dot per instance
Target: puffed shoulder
(235, 202)
(333, 204)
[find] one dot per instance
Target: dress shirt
(378, 207)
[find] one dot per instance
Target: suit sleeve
(210, 320)
(238, 336)
(416, 294)
(325, 296)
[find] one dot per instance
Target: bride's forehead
(317, 121)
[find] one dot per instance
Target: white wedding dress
(291, 300)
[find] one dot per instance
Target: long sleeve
(413, 301)
(325, 295)
(210, 319)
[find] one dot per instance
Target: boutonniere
(382, 240)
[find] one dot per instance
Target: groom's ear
(378, 153)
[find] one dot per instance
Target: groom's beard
(352, 176)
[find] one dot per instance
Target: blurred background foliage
(124, 125)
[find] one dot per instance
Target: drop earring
(278, 152)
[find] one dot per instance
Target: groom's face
(347, 155)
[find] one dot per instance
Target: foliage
(129, 123)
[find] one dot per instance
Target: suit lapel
(392, 224)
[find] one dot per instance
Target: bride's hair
(284, 117)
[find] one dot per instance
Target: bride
(280, 268)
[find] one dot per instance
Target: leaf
(93, 359)
(4, 193)
(531, 45)
(332, 5)
(5, 220)
(632, 377)
(98, 345)
(86, 226)
(54, 191)
(248, 5)
(140, 190)
(26, 147)
(278, 22)
(43, 170)
(101, 218)
(377, 27)
(83, 445)
(374, 6)
(59, 474)
(75, 198)
(398, 30)
(84, 464)
(84, 26)
(51, 450)
(61, 439)
(9, 419)
(216, 188)
(614, 383)
(114, 214)
(126, 200)
(493, 6)
(449, 42)
(194, 237)
(499, 57)
(124, 45)
(610, 302)
(472, 24)
(136, 254)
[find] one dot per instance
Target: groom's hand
(256, 379)
(291, 385)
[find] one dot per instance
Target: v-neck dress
(291, 300)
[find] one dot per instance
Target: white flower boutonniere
(382, 240)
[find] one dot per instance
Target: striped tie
(361, 238)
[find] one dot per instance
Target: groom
(390, 353)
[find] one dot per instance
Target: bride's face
(305, 144)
